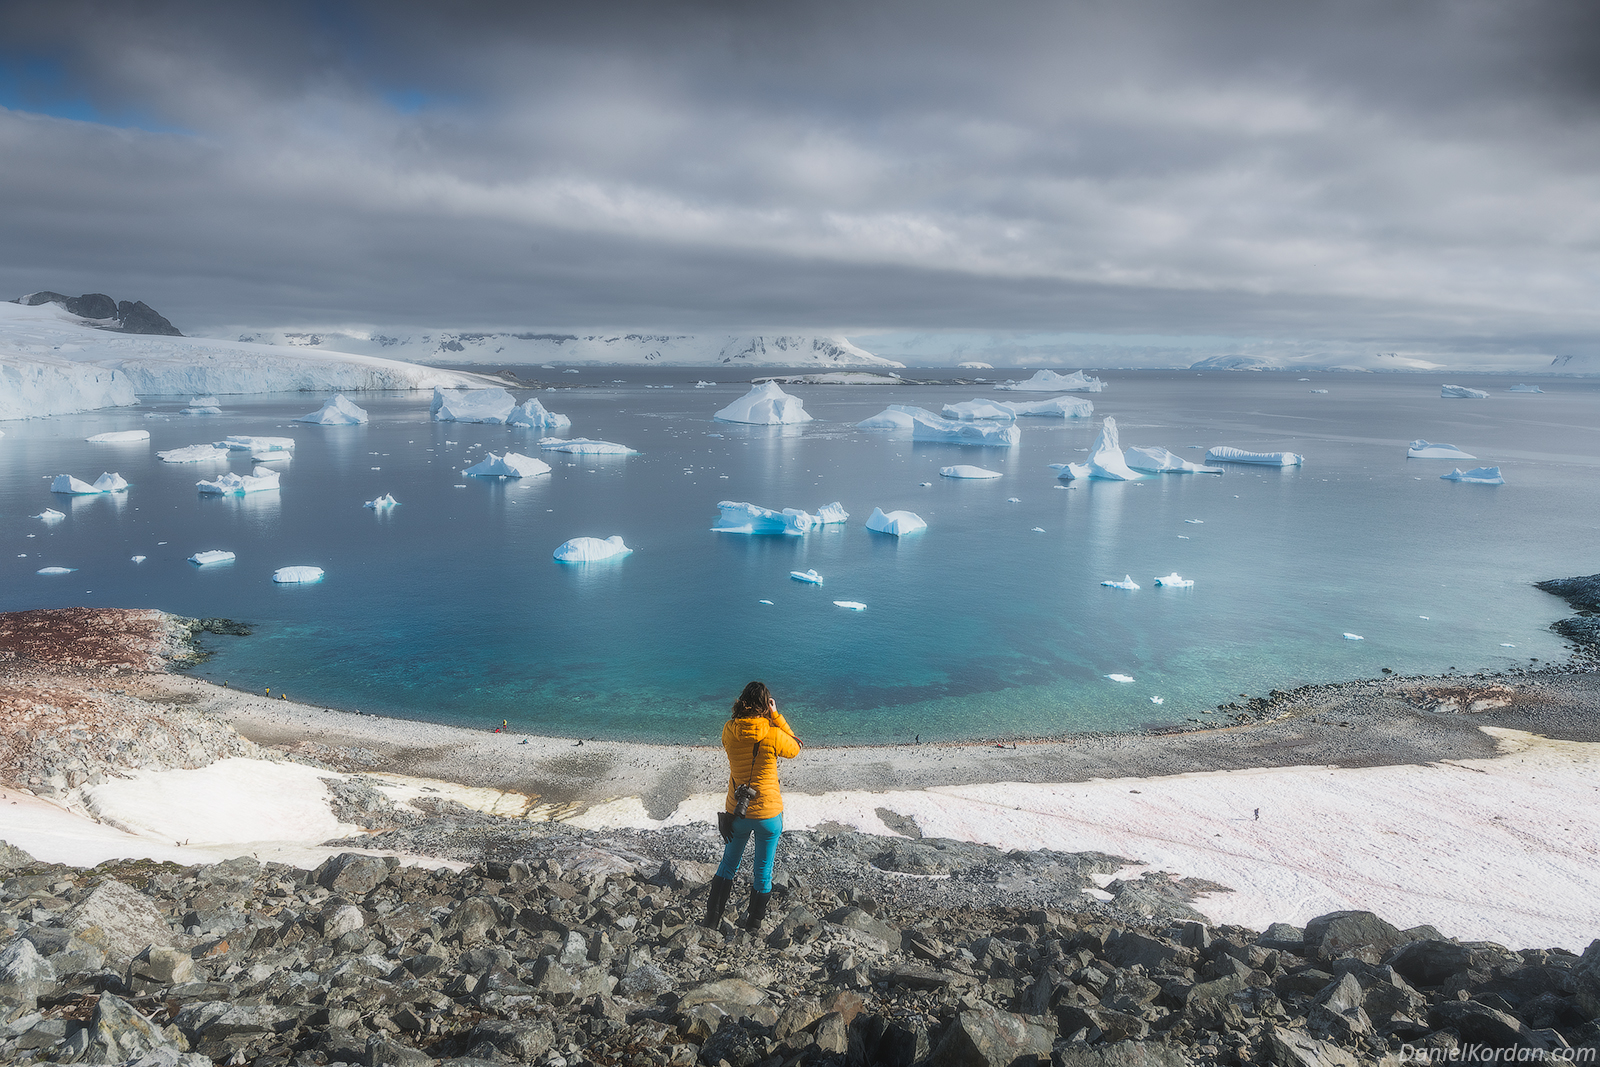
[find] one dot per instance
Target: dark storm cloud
(1400, 172)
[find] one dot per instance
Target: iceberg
(1126, 583)
(1461, 392)
(200, 559)
(1476, 476)
(1061, 407)
(979, 409)
(737, 516)
(591, 549)
(765, 405)
(1156, 460)
(193, 454)
(810, 576)
(533, 414)
(337, 411)
(110, 483)
(1105, 459)
(1428, 450)
(1173, 581)
(895, 523)
(55, 570)
(929, 428)
(387, 500)
(1048, 381)
(585, 447)
(50, 515)
(259, 480)
(511, 465)
(973, 364)
(832, 514)
(137, 559)
(1227, 454)
(963, 470)
(203, 405)
(66, 483)
(853, 605)
(297, 575)
(119, 437)
(1518, 388)
(1124, 678)
(1354, 637)
(471, 405)
(894, 417)
(245, 443)
(1069, 472)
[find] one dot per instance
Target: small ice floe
(1424, 618)
(511, 465)
(895, 523)
(1229, 454)
(201, 559)
(702, 385)
(1354, 637)
(1475, 476)
(119, 437)
(591, 549)
(926, 427)
(1183, 537)
(853, 605)
(533, 414)
(966, 470)
(1319, 390)
(570, 370)
(1461, 392)
(55, 570)
(1153, 459)
(247, 443)
(1522, 388)
(1013, 500)
(1069, 472)
(203, 405)
(387, 500)
(297, 575)
(1061, 407)
(765, 405)
(973, 410)
(1124, 678)
(1037, 529)
(766, 602)
(1174, 581)
(806, 576)
(742, 517)
(493, 405)
(1507, 644)
(1126, 583)
(584, 447)
(1420, 449)
(260, 480)
(1195, 522)
(894, 417)
(106, 483)
(336, 411)
(49, 515)
(137, 559)
(1158, 700)
(193, 454)
(924, 484)
(1054, 382)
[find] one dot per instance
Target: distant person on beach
(754, 737)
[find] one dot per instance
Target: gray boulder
(988, 1037)
(1122, 1054)
(352, 874)
(1339, 1011)
(1350, 933)
(118, 1034)
(25, 975)
(119, 919)
(1480, 1024)
(1292, 1048)
(12, 857)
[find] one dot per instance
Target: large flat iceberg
(246, 443)
(203, 559)
(1175, 581)
(896, 523)
(1048, 381)
(297, 575)
(106, 483)
(894, 417)
(991, 435)
(1429, 450)
(193, 454)
(1154, 459)
(1477, 476)
(969, 410)
(259, 480)
(741, 517)
(472, 405)
(511, 465)
(584, 447)
(1522, 387)
(1060, 407)
(533, 414)
(1461, 392)
(965, 470)
(119, 437)
(765, 405)
(1105, 458)
(337, 411)
(1229, 454)
(591, 549)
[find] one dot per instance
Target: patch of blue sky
(42, 85)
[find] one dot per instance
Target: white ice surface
(591, 549)
(55, 570)
(382, 503)
(297, 575)
(259, 480)
(247, 443)
(584, 447)
(1429, 450)
(973, 364)
(969, 410)
(743, 517)
(119, 437)
(993, 435)
(1229, 454)
(1175, 581)
(966, 470)
(493, 405)
(832, 514)
(216, 555)
(1461, 392)
(1476, 476)
(1049, 381)
(193, 454)
(897, 523)
(811, 576)
(1157, 460)
(894, 417)
(1524, 388)
(1125, 679)
(1105, 458)
(1069, 472)
(50, 515)
(336, 411)
(1060, 407)
(198, 408)
(511, 465)
(1126, 583)
(765, 405)
(853, 605)
(533, 414)
(1354, 637)
(67, 484)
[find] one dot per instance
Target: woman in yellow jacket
(754, 737)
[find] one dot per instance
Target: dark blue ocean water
(450, 607)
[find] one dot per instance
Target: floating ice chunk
(1428, 450)
(1124, 678)
(1126, 583)
(203, 405)
(66, 483)
(1105, 460)
(738, 516)
(1354, 637)
(1195, 522)
(1319, 390)
(1037, 529)
(1461, 392)
(1476, 476)
(511, 465)
(924, 484)
(926, 427)
(387, 500)
(832, 514)
(336, 411)
(1518, 388)
(970, 410)
(1061, 407)
(1048, 381)
(111, 482)
(766, 602)
(200, 559)
(1157, 460)
(532, 413)
(806, 576)
(591, 549)
(1228, 454)
(585, 447)
(55, 570)
(1157, 700)
(702, 385)
(137, 559)
(297, 575)
(570, 370)
(964, 470)
(259, 480)
(894, 417)
(765, 405)
(492, 405)
(119, 437)
(1013, 500)
(973, 364)
(1174, 581)
(895, 523)
(193, 454)
(1068, 472)
(1507, 644)
(50, 515)
(853, 605)
(246, 443)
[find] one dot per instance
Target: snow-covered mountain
(673, 350)
(53, 362)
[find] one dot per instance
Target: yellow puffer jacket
(767, 739)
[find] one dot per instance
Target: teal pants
(766, 833)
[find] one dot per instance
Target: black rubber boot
(758, 910)
(717, 902)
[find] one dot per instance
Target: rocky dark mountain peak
(130, 316)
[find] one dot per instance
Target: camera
(744, 795)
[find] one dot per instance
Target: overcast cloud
(1415, 176)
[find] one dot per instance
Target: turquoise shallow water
(450, 607)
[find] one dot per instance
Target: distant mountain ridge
(130, 316)
(465, 346)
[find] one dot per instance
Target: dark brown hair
(754, 702)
